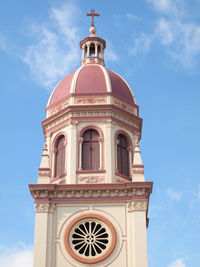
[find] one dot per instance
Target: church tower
(91, 199)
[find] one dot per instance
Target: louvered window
(60, 156)
(122, 155)
(90, 150)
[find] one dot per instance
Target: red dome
(92, 79)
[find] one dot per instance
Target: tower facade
(91, 199)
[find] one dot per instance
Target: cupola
(92, 46)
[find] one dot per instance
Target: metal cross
(93, 14)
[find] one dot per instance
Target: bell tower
(91, 199)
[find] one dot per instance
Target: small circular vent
(90, 238)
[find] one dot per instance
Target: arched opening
(92, 50)
(85, 51)
(122, 155)
(99, 51)
(90, 150)
(60, 156)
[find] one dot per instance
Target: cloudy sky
(155, 46)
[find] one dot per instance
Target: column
(73, 153)
(102, 54)
(80, 141)
(88, 50)
(130, 160)
(116, 143)
(96, 50)
(83, 52)
(43, 234)
(101, 153)
(137, 236)
(109, 153)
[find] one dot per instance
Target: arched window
(60, 156)
(122, 155)
(90, 150)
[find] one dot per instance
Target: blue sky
(155, 46)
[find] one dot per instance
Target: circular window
(90, 238)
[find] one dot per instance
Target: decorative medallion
(90, 238)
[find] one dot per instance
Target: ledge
(83, 193)
(91, 171)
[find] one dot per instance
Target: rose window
(90, 239)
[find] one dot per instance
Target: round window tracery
(90, 238)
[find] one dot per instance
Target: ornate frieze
(125, 106)
(128, 192)
(58, 107)
(44, 207)
(138, 170)
(88, 179)
(114, 117)
(137, 205)
(90, 100)
(44, 172)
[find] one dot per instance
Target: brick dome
(92, 79)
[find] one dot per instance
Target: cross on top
(93, 14)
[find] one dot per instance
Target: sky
(155, 46)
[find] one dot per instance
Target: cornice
(66, 99)
(92, 113)
(79, 193)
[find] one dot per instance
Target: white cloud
(165, 32)
(18, 256)
(131, 16)
(56, 49)
(110, 54)
(4, 45)
(173, 194)
(181, 39)
(165, 6)
(177, 263)
(141, 44)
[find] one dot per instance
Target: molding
(137, 205)
(106, 112)
(98, 258)
(122, 175)
(90, 127)
(89, 179)
(107, 79)
(89, 107)
(44, 207)
(91, 100)
(127, 85)
(44, 172)
(90, 171)
(120, 131)
(55, 139)
(74, 80)
(130, 192)
(64, 102)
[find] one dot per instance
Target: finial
(93, 14)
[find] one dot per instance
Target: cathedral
(91, 199)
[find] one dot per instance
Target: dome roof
(92, 79)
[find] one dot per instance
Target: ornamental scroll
(44, 207)
(91, 179)
(137, 205)
(90, 100)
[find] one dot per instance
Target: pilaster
(137, 248)
(43, 239)
(109, 153)
(72, 152)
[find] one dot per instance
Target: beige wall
(130, 226)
